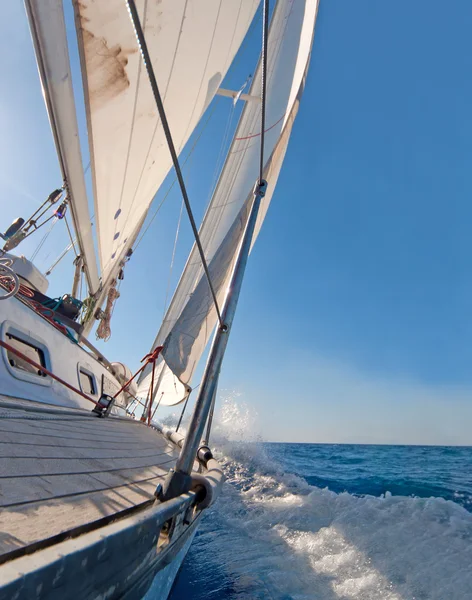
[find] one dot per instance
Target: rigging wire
(215, 102)
(218, 166)
(68, 247)
(160, 107)
(185, 406)
(70, 235)
(61, 256)
(172, 259)
(175, 178)
(80, 284)
(43, 240)
(220, 159)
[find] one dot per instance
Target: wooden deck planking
(19, 529)
(84, 433)
(44, 450)
(62, 470)
(21, 490)
(70, 465)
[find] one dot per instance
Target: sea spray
(273, 535)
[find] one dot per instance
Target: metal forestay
(160, 107)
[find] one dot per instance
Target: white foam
(278, 537)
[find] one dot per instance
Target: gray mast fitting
(179, 480)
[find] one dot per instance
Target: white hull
(164, 580)
(79, 517)
(62, 356)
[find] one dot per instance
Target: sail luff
(46, 19)
(190, 317)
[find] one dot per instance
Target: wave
(279, 536)
(273, 535)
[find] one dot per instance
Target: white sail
(191, 316)
(48, 31)
(191, 43)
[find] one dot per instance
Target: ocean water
(331, 522)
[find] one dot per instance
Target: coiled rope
(104, 328)
(8, 278)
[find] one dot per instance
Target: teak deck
(64, 470)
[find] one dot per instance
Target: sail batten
(191, 50)
(191, 318)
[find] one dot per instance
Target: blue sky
(354, 321)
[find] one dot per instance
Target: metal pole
(218, 347)
(206, 439)
(78, 272)
(156, 389)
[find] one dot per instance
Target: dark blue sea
(332, 522)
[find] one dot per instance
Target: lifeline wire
(70, 235)
(160, 107)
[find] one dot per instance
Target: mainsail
(191, 50)
(48, 31)
(191, 316)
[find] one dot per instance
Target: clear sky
(354, 324)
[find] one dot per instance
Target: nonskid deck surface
(63, 469)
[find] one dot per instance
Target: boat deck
(65, 471)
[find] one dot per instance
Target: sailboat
(99, 499)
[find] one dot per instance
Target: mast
(46, 19)
(220, 341)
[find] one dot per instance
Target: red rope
(149, 358)
(44, 370)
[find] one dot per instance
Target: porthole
(87, 381)
(29, 350)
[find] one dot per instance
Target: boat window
(87, 382)
(30, 351)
